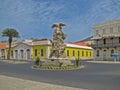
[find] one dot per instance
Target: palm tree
(10, 33)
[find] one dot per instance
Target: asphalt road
(95, 76)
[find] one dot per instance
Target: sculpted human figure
(58, 45)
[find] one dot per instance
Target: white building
(106, 39)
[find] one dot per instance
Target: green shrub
(77, 62)
(37, 61)
(60, 64)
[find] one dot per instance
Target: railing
(105, 45)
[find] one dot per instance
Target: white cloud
(105, 10)
(29, 10)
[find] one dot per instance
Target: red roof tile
(3, 45)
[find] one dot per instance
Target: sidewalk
(14, 61)
(106, 62)
(11, 83)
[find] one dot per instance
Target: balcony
(107, 45)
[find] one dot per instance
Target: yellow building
(106, 39)
(28, 50)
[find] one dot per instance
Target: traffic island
(57, 64)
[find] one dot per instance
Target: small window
(119, 39)
(119, 28)
(35, 52)
(12, 53)
(111, 40)
(86, 54)
(97, 32)
(78, 53)
(42, 52)
(90, 54)
(67, 52)
(104, 41)
(104, 31)
(73, 53)
(111, 30)
(82, 53)
(112, 51)
(97, 53)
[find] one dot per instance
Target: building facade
(42, 49)
(2, 49)
(106, 39)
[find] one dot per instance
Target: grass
(52, 67)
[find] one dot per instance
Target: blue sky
(33, 18)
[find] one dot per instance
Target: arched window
(97, 53)
(28, 53)
(22, 54)
(16, 54)
(112, 51)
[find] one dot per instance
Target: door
(104, 55)
(21, 54)
(119, 55)
(16, 54)
(28, 53)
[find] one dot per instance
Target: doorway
(104, 55)
(28, 53)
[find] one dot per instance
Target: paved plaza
(10, 83)
(94, 76)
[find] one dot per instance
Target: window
(97, 53)
(86, 54)
(35, 52)
(97, 42)
(119, 39)
(104, 31)
(42, 52)
(12, 53)
(16, 54)
(22, 54)
(111, 41)
(112, 51)
(82, 53)
(90, 54)
(104, 41)
(67, 52)
(73, 53)
(78, 53)
(111, 30)
(119, 28)
(97, 32)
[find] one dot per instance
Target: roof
(106, 23)
(86, 39)
(47, 42)
(77, 46)
(31, 43)
(80, 43)
(3, 45)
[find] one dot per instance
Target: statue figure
(58, 45)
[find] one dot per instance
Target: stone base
(56, 61)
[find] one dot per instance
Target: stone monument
(58, 46)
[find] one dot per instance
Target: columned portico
(47, 51)
(22, 52)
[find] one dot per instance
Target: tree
(10, 33)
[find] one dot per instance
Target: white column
(14, 54)
(47, 51)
